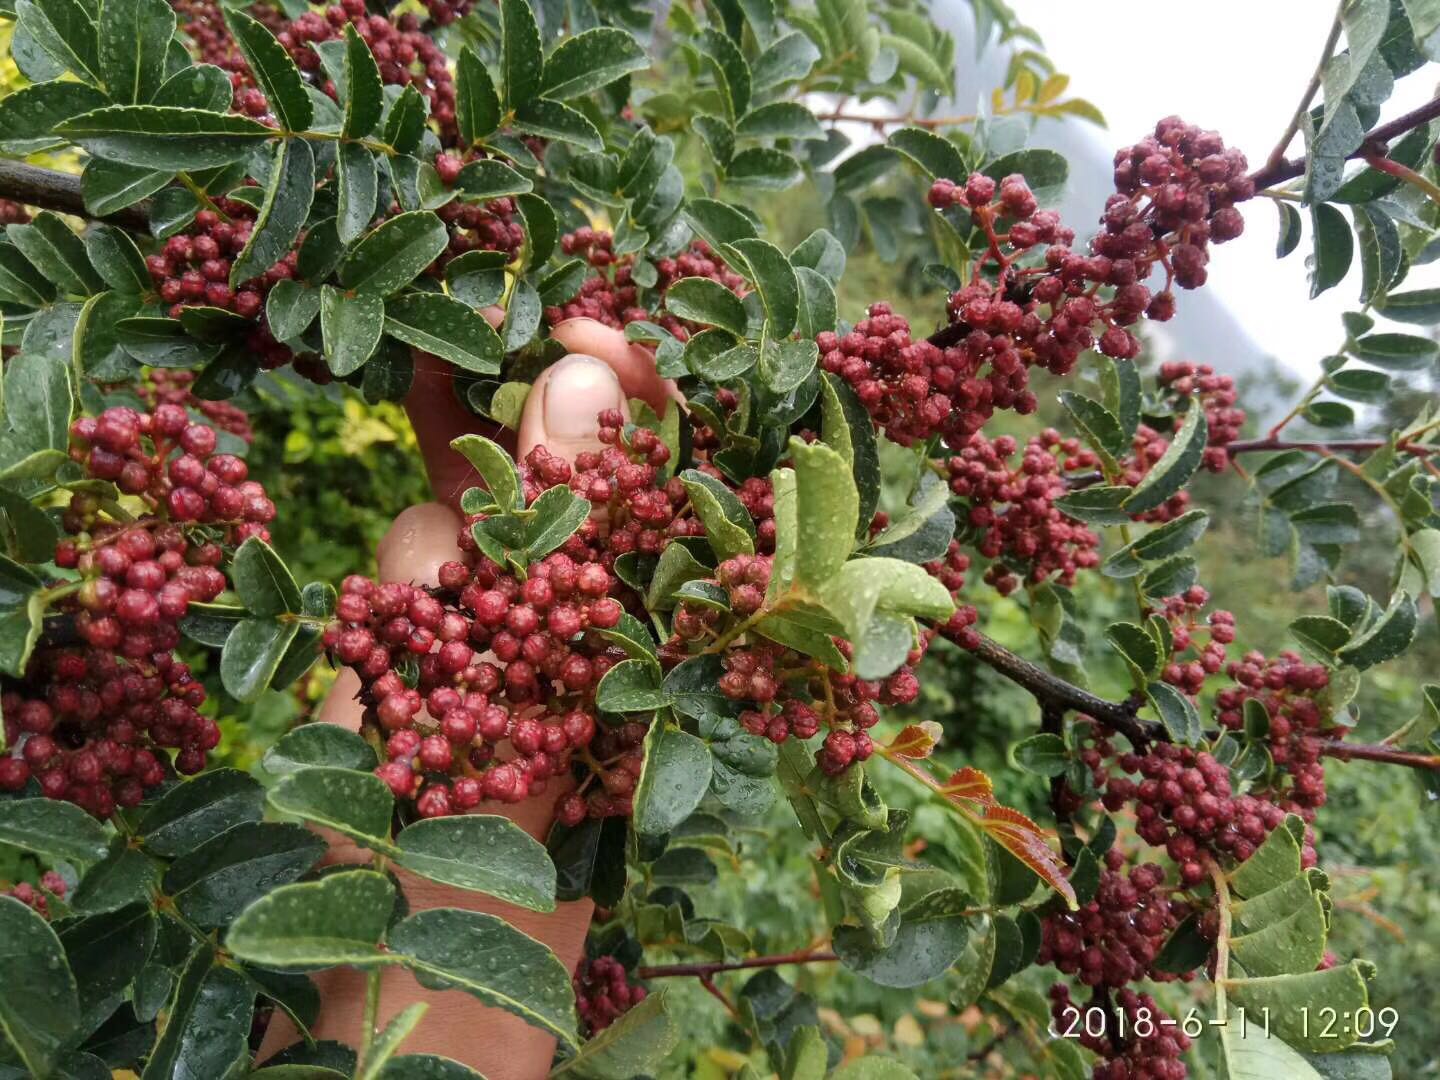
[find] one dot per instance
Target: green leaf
(203, 86)
(1274, 862)
(358, 189)
(252, 654)
(477, 105)
(634, 1045)
(134, 36)
(164, 137)
(552, 120)
(483, 853)
(1160, 543)
(590, 60)
(496, 468)
(487, 178)
(787, 59)
(339, 919)
(931, 936)
(394, 253)
(631, 686)
(1175, 467)
(318, 744)
(673, 780)
(1359, 384)
(780, 120)
(109, 950)
(866, 588)
(770, 272)
(388, 1040)
(936, 156)
(728, 526)
(350, 326)
(364, 93)
(558, 512)
(1098, 425)
(29, 115)
(273, 69)
(449, 949)
(215, 882)
(263, 582)
(732, 73)
(39, 1006)
(1043, 754)
(1099, 505)
(65, 30)
(1387, 638)
(1136, 645)
(826, 512)
(1044, 170)
(785, 365)
(423, 1067)
(117, 259)
(1290, 229)
(57, 253)
(197, 810)
(716, 222)
(445, 327)
(1396, 352)
(357, 804)
(1334, 248)
(1342, 988)
(764, 167)
(1420, 306)
(59, 830)
(521, 59)
(704, 300)
(1176, 711)
(290, 308)
(282, 214)
(845, 425)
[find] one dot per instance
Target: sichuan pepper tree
(706, 612)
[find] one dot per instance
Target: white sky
(1238, 66)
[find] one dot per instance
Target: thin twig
(1288, 170)
(1277, 156)
(707, 971)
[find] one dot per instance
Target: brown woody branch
(1054, 693)
(50, 189)
(1277, 172)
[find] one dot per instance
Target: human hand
(601, 371)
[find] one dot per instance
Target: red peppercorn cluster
(604, 992)
(1113, 939)
(1140, 1040)
(1292, 693)
(445, 12)
(35, 899)
(405, 54)
(1176, 192)
(171, 386)
(193, 267)
(171, 464)
(488, 226)
(1011, 510)
(1182, 613)
(613, 297)
(1184, 802)
(90, 723)
(445, 724)
(91, 712)
(1217, 395)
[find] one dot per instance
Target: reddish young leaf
(1020, 836)
(971, 785)
(917, 740)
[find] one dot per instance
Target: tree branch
(1287, 170)
(1277, 156)
(50, 189)
(1054, 693)
(705, 972)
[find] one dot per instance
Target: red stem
(1287, 170)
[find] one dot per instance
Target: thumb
(562, 410)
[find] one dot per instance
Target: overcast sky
(1238, 66)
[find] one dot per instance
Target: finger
(419, 541)
(634, 364)
(438, 417)
(562, 410)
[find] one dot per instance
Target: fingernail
(578, 389)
